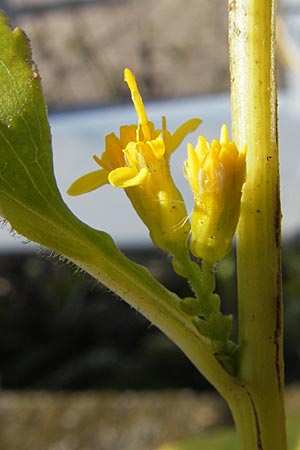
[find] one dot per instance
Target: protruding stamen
(138, 103)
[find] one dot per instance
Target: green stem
(208, 279)
(254, 121)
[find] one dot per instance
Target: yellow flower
(216, 173)
(138, 161)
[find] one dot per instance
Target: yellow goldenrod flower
(216, 173)
(138, 161)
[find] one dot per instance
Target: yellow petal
(127, 134)
(191, 169)
(224, 137)
(202, 149)
(181, 132)
(88, 182)
(157, 146)
(125, 177)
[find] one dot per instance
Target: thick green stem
(261, 425)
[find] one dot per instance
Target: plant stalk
(261, 425)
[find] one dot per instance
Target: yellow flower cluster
(138, 161)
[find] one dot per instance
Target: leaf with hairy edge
(29, 198)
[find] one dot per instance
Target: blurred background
(79, 369)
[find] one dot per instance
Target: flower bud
(216, 173)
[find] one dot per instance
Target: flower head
(216, 173)
(138, 161)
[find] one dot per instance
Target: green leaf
(29, 198)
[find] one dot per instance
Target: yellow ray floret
(138, 161)
(216, 172)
